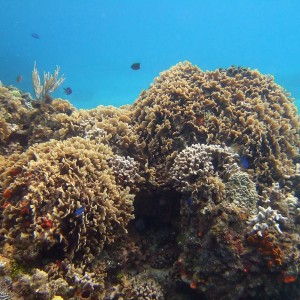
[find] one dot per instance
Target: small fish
(35, 36)
(140, 225)
(189, 201)
(244, 162)
(19, 78)
(68, 91)
(79, 211)
(135, 66)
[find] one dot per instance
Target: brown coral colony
(191, 192)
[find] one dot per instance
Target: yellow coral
(56, 180)
(235, 106)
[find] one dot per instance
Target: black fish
(35, 35)
(68, 91)
(135, 66)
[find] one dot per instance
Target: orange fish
(19, 78)
(289, 279)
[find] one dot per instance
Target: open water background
(96, 41)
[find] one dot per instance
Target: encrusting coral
(196, 185)
(241, 192)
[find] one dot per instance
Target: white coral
(266, 218)
(125, 169)
(292, 202)
(297, 172)
(202, 161)
(83, 279)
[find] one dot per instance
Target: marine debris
(191, 192)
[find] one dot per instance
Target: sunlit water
(95, 42)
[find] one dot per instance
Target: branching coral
(146, 289)
(265, 219)
(138, 287)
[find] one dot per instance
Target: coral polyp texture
(64, 196)
(236, 107)
(191, 192)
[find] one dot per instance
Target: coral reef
(50, 84)
(192, 192)
(236, 107)
(241, 192)
(45, 189)
(5, 293)
(198, 167)
(266, 217)
(126, 171)
(138, 287)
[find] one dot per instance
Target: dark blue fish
(79, 211)
(135, 66)
(68, 91)
(140, 225)
(189, 201)
(244, 162)
(35, 35)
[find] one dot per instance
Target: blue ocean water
(95, 42)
